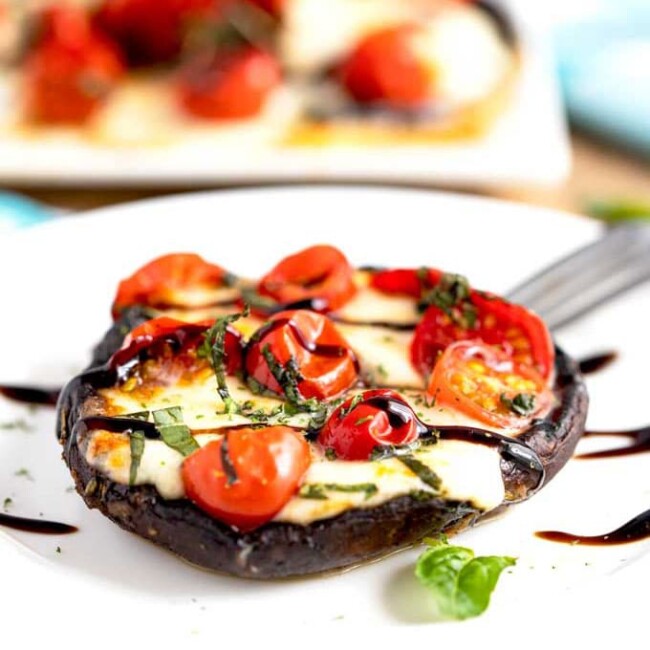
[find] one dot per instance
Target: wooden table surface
(600, 171)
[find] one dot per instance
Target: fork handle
(588, 277)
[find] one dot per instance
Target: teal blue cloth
(604, 64)
(19, 212)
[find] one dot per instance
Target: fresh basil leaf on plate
(460, 582)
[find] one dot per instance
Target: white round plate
(57, 284)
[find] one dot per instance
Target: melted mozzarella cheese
(371, 306)
(383, 355)
(467, 472)
(467, 56)
(165, 123)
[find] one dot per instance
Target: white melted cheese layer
(467, 472)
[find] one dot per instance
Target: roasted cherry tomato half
(316, 361)
(487, 385)
(152, 31)
(71, 71)
(231, 85)
(246, 478)
(185, 335)
(367, 421)
(319, 272)
(515, 329)
(386, 67)
(409, 282)
(153, 284)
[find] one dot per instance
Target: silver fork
(618, 261)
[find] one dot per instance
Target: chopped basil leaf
(255, 386)
(24, 472)
(288, 376)
(251, 297)
(214, 348)
(382, 372)
(168, 416)
(174, 433)
(7, 503)
(353, 404)
(422, 471)
(178, 437)
(139, 415)
(460, 582)
(521, 404)
(319, 490)
(422, 495)
(382, 452)
(360, 421)
(136, 442)
(452, 295)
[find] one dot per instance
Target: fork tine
(588, 277)
(596, 272)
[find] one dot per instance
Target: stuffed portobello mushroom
(317, 418)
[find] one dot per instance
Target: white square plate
(528, 144)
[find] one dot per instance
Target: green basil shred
(175, 434)
(452, 295)
(422, 471)
(522, 404)
(288, 376)
(136, 442)
(214, 349)
(319, 490)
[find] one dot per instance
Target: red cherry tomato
(64, 23)
(410, 282)
(234, 85)
(71, 71)
(152, 31)
(152, 284)
(486, 384)
(319, 272)
(358, 426)
(187, 335)
(247, 477)
(519, 332)
(273, 7)
(322, 359)
(385, 67)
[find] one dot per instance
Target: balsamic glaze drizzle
(41, 526)
(597, 362)
(640, 443)
(634, 530)
(31, 394)
(511, 450)
(318, 349)
(397, 327)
